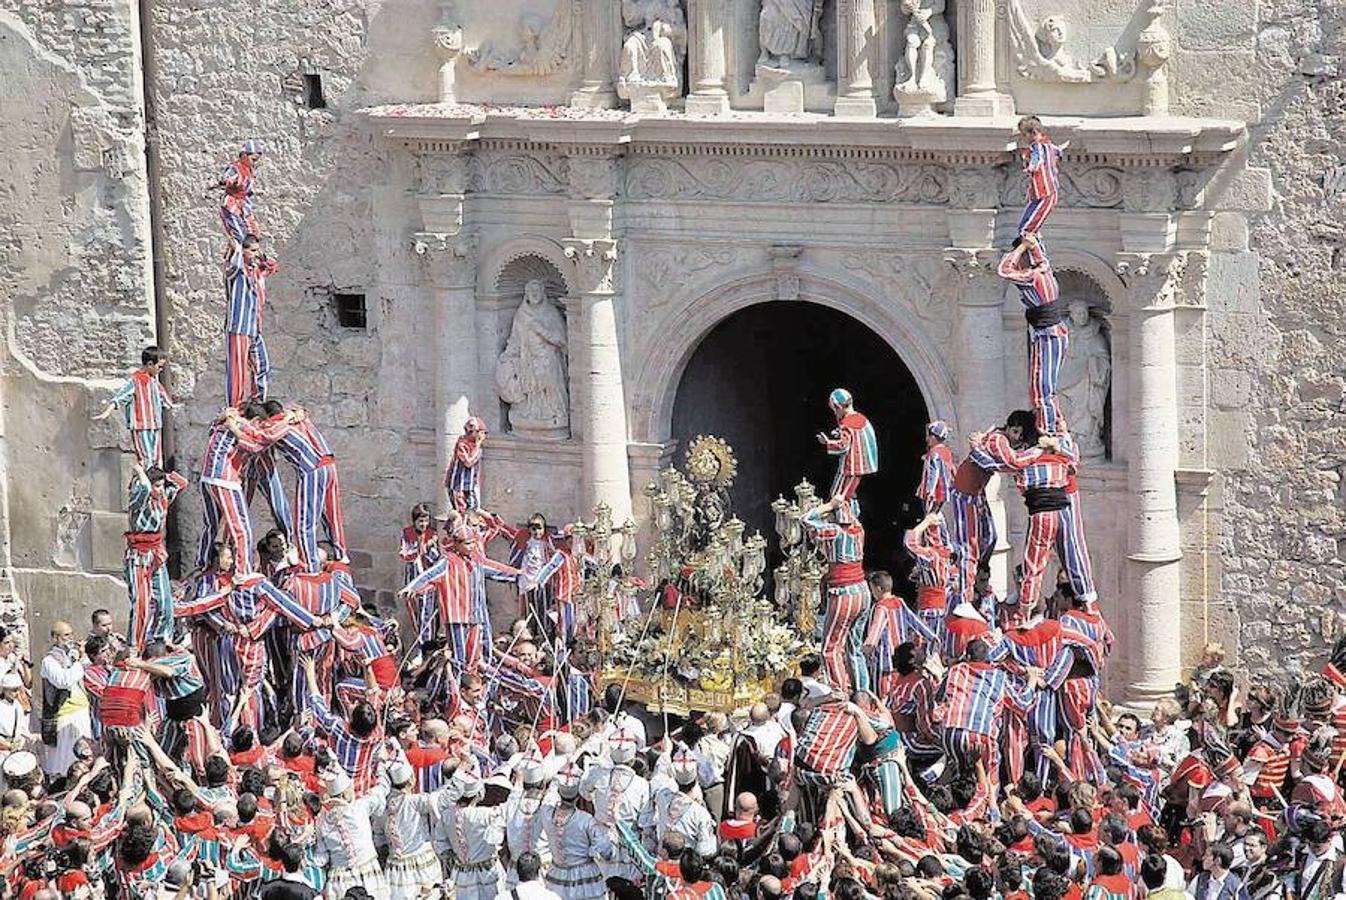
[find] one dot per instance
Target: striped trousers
(147, 447)
(151, 598)
(1061, 530)
(247, 368)
(972, 537)
(1046, 354)
(964, 748)
(1035, 214)
(844, 635)
(224, 507)
(317, 500)
(1078, 698)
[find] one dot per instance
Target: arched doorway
(760, 379)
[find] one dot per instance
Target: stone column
(706, 58)
(979, 351)
(448, 254)
(977, 93)
(606, 471)
(450, 262)
(601, 26)
(1154, 548)
(857, 46)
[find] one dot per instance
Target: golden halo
(710, 461)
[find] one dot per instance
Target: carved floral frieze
(768, 181)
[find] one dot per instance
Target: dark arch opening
(760, 380)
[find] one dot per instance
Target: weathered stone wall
(1277, 379)
(75, 262)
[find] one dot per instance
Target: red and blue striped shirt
(856, 444)
(142, 400)
(1040, 162)
(936, 475)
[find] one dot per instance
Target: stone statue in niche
(926, 69)
(1086, 376)
(652, 54)
(531, 373)
(789, 31)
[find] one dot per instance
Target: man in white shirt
(530, 885)
(65, 706)
(14, 731)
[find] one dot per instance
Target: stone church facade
(536, 212)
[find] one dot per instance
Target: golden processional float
(701, 633)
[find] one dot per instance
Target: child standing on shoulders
(1041, 158)
(143, 401)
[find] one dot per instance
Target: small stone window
(313, 97)
(350, 310)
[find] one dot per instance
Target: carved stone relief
(832, 181)
(1090, 186)
(541, 46)
(667, 273)
(518, 173)
(914, 282)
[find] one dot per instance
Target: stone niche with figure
(532, 370)
(1085, 383)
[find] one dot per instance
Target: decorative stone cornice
(1160, 142)
(450, 260)
(971, 264)
(595, 264)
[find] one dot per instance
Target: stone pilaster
(1149, 196)
(450, 264)
(977, 92)
(858, 45)
(601, 27)
(1154, 543)
(448, 38)
(706, 57)
(606, 472)
(979, 351)
(974, 197)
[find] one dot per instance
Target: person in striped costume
(1049, 337)
(1041, 161)
(317, 487)
(931, 573)
(892, 624)
(911, 701)
(143, 399)
(419, 550)
(354, 742)
(151, 595)
(842, 541)
(247, 365)
(223, 502)
(972, 702)
(462, 477)
(936, 472)
(1047, 484)
(855, 445)
(236, 211)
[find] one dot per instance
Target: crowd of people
(262, 730)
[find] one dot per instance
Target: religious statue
(531, 374)
(790, 30)
(926, 70)
(653, 53)
(1086, 376)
